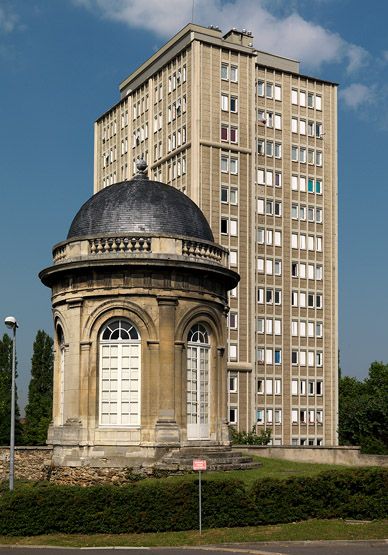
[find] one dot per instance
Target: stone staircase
(217, 458)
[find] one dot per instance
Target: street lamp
(12, 324)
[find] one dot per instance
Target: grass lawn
(270, 468)
(299, 531)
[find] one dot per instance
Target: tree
(5, 393)
(363, 410)
(40, 391)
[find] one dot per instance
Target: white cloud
(357, 95)
(8, 20)
(290, 35)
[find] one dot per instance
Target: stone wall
(348, 456)
(34, 463)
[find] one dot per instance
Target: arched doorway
(120, 369)
(198, 353)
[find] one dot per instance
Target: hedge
(163, 505)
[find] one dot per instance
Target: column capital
(167, 301)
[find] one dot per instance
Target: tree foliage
(40, 392)
(363, 410)
(5, 393)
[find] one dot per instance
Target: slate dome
(140, 206)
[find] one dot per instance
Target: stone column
(167, 430)
(71, 408)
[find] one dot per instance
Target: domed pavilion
(140, 298)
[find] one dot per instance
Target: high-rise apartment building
(254, 143)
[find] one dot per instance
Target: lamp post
(12, 324)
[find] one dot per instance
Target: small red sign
(199, 464)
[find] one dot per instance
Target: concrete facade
(254, 143)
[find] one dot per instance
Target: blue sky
(60, 64)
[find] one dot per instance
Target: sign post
(199, 465)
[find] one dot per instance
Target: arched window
(198, 350)
(119, 386)
(61, 346)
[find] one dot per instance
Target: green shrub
(156, 506)
(250, 438)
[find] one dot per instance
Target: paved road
(378, 547)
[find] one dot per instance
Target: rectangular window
(233, 166)
(233, 383)
(278, 296)
(260, 295)
(268, 387)
(302, 127)
(294, 153)
(278, 150)
(224, 164)
(233, 227)
(233, 318)
(294, 125)
(294, 387)
(310, 100)
(233, 415)
(302, 155)
(278, 92)
(302, 98)
(224, 132)
(260, 88)
(224, 73)
(278, 121)
(269, 90)
(318, 102)
(233, 258)
(224, 103)
(232, 351)
(224, 225)
(278, 327)
(294, 96)
(233, 104)
(233, 73)
(310, 186)
(260, 416)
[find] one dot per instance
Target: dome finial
(142, 167)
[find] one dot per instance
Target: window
(233, 383)
(278, 92)
(233, 104)
(224, 225)
(224, 72)
(260, 416)
(233, 257)
(294, 96)
(233, 73)
(260, 88)
(318, 102)
(233, 415)
(233, 166)
(119, 370)
(294, 153)
(310, 100)
(232, 351)
(233, 318)
(294, 125)
(294, 387)
(269, 90)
